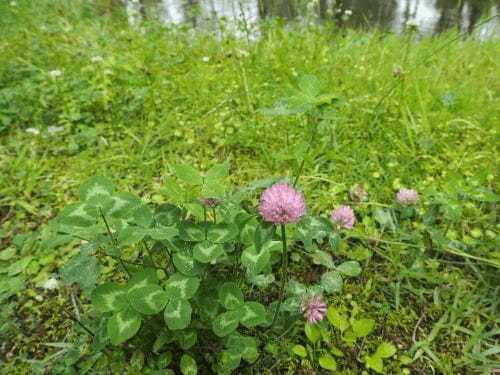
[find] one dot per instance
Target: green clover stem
(114, 241)
(284, 276)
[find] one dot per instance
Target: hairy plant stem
(205, 221)
(77, 321)
(114, 241)
(284, 276)
(148, 250)
(309, 147)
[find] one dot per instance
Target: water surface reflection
(241, 16)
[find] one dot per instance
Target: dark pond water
(242, 16)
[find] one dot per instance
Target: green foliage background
(155, 100)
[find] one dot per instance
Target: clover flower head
(96, 59)
(397, 70)
(33, 131)
(55, 73)
(412, 24)
(313, 309)
(407, 196)
(51, 284)
(55, 129)
(210, 202)
(344, 216)
(282, 204)
(358, 194)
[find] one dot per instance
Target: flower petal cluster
(358, 194)
(55, 73)
(344, 216)
(314, 309)
(282, 204)
(210, 202)
(96, 59)
(407, 196)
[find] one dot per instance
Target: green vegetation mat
(82, 94)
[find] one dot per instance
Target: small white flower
(412, 24)
(205, 58)
(96, 59)
(33, 131)
(55, 73)
(348, 12)
(243, 53)
(54, 129)
(50, 284)
(108, 72)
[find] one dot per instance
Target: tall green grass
(169, 95)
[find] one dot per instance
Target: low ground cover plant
(195, 275)
(360, 114)
(192, 287)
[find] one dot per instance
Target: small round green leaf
(123, 325)
(332, 282)
(149, 300)
(164, 360)
(335, 242)
(337, 319)
(177, 314)
(231, 358)
(140, 279)
(188, 174)
(161, 232)
(300, 351)
(312, 332)
(230, 295)
(254, 260)
(181, 286)
(207, 251)
(186, 338)
(189, 231)
(226, 323)
(221, 233)
(188, 365)
(130, 235)
(249, 349)
(95, 187)
(122, 204)
(296, 288)
(327, 362)
(109, 297)
(185, 264)
(324, 259)
(385, 350)
(142, 216)
(363, 327)
(218, 172)
(261, 280)
(350, 268)
(79, 215)
(210, 308)
(253, 314)
(375, 363)
(168, 214)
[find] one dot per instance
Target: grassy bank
(82, 93)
